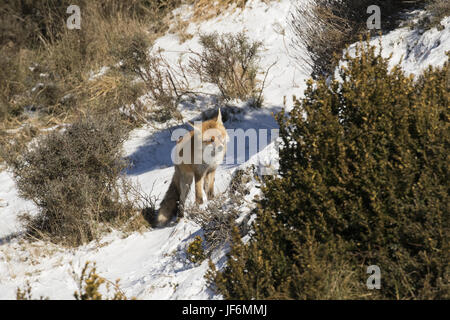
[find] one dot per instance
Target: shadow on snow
(156, 152)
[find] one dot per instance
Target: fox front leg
(185, 187)
(199, 181)
(209, 184)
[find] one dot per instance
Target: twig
(264, 82)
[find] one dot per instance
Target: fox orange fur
(207, 147)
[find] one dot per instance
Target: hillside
(153, 264)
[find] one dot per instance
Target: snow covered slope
(415, 49)
(10, 205)
(153, 265)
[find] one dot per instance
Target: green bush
(195, 250)
(365, 164)
(90, 285)
(73, 177)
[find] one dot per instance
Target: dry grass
(26, 293)
(439, 9)
(207, 9)
(436, 11)
(46, 67)
(179, 27)
(325, 27)
(74, 176)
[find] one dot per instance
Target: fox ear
(219, 117)
(197, 130)
(192, 125)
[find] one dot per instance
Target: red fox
(198, 153)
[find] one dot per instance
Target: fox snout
(219, 146)
(213, 150)
(217, 149)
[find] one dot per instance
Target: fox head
(213, 134)
(209, 141)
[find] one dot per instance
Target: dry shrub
(219, 217)
(35, 36)
(13, 144)
(179, 27)
(206, 9)
(26, 294)
(165, 85)
(47, 67)
(216, 221)
(145, 204)
(436, 10)
(73, 177)
(231, 63)
(324, 27)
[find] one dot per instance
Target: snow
(10, 206)
(413, 48)
(417, 50)
(153, 264)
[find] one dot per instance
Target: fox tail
(169, 205)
